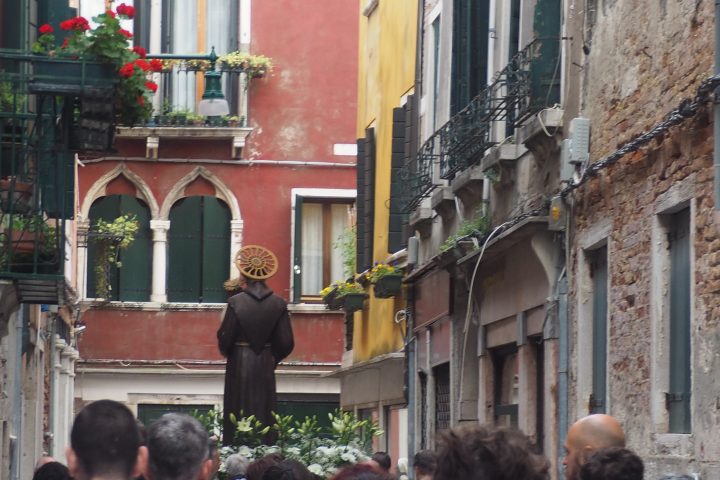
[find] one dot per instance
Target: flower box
(332, 300)
(352, 302)
(63, 77)
(388, 286)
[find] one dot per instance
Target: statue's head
(256, 263)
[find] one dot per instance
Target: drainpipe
(410, 307)
(17, 395)
(716, 117)
(51, 394)
(564, 348)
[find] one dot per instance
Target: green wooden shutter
(136, 271)
(397, 218)
(185, 251)
(599, 339)
(105, 208)
(215, 249)
(680, 353)
(545, 67)
(368, 210)
(297, 250)
(360, 205)
(469, 51)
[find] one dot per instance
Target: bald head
(588, 435)
(598, 431)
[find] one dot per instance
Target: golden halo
(256, 262)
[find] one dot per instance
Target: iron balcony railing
(181, 86)
(36, 173)
(527, 84)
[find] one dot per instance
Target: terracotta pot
(21, 195)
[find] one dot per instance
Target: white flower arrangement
(323, 451)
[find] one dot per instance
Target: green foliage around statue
(348, 440)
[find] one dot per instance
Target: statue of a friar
(255, 336)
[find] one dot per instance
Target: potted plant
(15, 195)
(23, 238)
(233, 121)
(197, 65)
(99, 56)
(352, 295)
(330, 297)
(110, 238)
(254, 66)
(195, 119)
(386, 280)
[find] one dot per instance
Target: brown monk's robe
(255, 336)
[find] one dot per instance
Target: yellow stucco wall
(386, 72)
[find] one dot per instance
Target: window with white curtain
(179, 26)
(323, 225)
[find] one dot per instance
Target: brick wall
(645, 58)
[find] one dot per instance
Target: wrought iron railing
(178, 95)
(527, 84)
(36, 176)
(180, 85)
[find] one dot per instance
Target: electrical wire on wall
(686, 109)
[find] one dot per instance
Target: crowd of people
(107, 443)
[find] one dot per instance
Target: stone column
(83, 226)
(236, 233)
(59, 393)
(159, 268)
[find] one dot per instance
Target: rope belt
(246, 344)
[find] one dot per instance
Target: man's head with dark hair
(362, 471)
(614, 463)
(382, 459)
(256, 469)
(178, 449)
(424, 462)
(477, 453)
(52, 471)
(105, 441)
(288, 470)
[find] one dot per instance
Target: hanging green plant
(110, 238)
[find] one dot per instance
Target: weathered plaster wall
(309, 101)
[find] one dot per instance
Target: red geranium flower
(125, 33)
(64, 44)
(77, 23)
(126, 10)
(45, 29)
(144, 65)
(127, 70)
(152, 86)
(141, 100)
(110, 13)
(139, 51)
(156, 65)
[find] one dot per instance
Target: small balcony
(181, 85)
(37, 173)
(528, 83)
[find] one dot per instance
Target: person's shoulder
(277, 299)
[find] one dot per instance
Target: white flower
(348, 457)
(293, 451)
(316, 469)
(246, 452)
